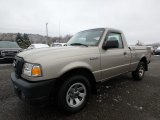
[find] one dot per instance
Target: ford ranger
(67, 75)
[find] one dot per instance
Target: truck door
(116, 59)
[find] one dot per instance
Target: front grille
(18, 66)
(0, 54)
(9, 53)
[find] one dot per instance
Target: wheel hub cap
(141, 71)
(75, 95)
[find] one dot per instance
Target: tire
(73, 94)
(138, 74)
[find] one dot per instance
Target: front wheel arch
(81, 71)
(59, 81)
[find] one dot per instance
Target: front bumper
(32, 92)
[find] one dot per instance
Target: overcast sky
(138, 19)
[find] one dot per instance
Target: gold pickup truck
(67, 75)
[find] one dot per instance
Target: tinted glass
(88, 37)
(117, 37)
(8, 44)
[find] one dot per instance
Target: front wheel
(73, 94)
(138, 74)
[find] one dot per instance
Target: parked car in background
(34, 46)
(58, 44)
(8, 50)
(157, 51)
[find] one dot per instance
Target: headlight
(32, 70)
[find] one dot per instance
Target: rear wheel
(73, 94)
(138, 74)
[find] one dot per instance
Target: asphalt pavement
(119, 98)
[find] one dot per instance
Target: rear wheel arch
(138, 74)
(144, 60)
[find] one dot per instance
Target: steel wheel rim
(141, 71)
(76, 95)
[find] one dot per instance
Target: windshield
(88, 37)
(8, 44)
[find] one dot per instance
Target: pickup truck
(8, 50)
(68, 75)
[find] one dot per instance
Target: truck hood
(54, 53)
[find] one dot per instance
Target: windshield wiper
(78, 44)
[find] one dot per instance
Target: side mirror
(110, 44)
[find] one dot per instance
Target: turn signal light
(36, 71)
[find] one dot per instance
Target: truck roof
(106, 28)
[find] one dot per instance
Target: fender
(74, 65)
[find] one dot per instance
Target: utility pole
(47, 32)
(47, 29)
(59, 29)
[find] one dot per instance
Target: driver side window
(115, 37)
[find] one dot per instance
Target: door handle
(93, 58)
(125, 53)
